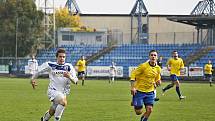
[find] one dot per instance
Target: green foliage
(21, 18)
(100, 101)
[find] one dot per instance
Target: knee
(138, 112)
(63, 102)
(60, 100)
(149, 110)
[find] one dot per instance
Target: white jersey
(112, 70)
(57, 81)
(32, 66)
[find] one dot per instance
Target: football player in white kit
(61, 75)
(112, 72)
(32, 65)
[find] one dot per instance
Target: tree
(19, 20)
(65, 19)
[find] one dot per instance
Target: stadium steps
(102, 52)
(198, 54)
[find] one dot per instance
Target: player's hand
(66, 74)
(33, 83)
(168, 68)
(133, 91)
(158, 83)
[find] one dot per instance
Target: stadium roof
(198, 21)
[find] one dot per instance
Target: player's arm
(206, 68)
(135, 72)
(71, 75)
(182, 65)
(41, 69)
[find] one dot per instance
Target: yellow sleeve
(205, 68)
(78, 63)
(168, 63)
(137, 71)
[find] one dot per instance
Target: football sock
(58, 112)
(47, 116)
(168, 87)
(112, 79)
(82, 82)
(178, 91)
(143, 119)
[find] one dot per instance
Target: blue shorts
(81, 74)
(208, 75)
(140, 98)
(173, 77)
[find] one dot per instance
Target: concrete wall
(161, 30)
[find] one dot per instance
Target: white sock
(58, 112)
(112, 79)
(155, 92)
(47, 116)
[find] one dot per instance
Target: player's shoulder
(180, 59)
(68, 64)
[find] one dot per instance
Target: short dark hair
(60, 50)
(174, 51)
(152, 51)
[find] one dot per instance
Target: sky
(165, 7)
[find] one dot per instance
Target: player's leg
(113, 79)
(167, 87)
(148, 102)
(146, 115)
(210, 79)
(83, 77)
(156, 98)
(62, 103)
(173, 78)
(178, 90)
(51, 94)
(109, 79)
(137, 102)
(49, 113)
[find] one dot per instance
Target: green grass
(99, 101)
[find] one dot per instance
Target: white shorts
(112, 75)
(52, 94)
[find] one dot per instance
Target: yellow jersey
(208, 69)
(81, 65)
(146, 76)
(175, 65)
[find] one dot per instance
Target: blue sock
(178, 91)
(168, 87)
(143, 118)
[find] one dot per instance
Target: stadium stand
(203, 60)
(132, 55)
(125, 55)
(74, 52)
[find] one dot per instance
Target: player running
(112, 72)
(175, 65)
(81, 65)
(143, 81)
(208, 69)
(61, 75)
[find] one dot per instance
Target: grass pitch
(100, 101)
